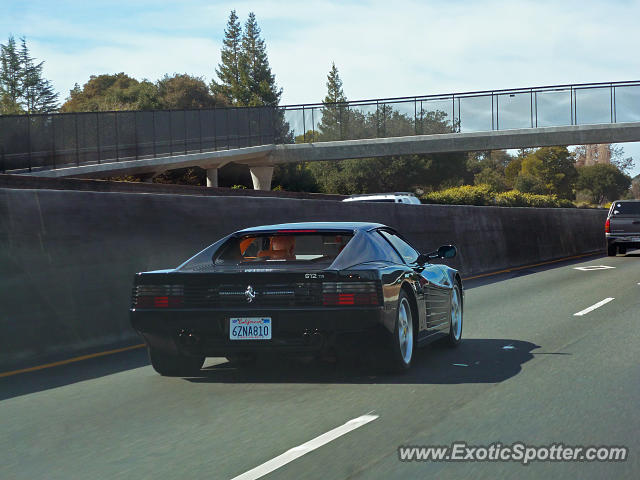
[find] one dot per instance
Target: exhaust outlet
(317, 339)
(188, 338)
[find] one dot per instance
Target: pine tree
(38, 93)
(334, 111)
(11, 78)
(228, 70)
(259, 84)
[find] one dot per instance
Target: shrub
(485, 195)
(464, 195)
(515, 198)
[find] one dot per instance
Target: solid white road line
(593, 307)
(300, 450)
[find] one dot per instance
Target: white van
(397, 197)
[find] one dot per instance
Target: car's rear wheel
(174, 365)
(455, 323)
(402, 342)
(622, 250)
(612, 250)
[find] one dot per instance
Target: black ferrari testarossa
(298, 288)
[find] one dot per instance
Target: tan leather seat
(281, 248)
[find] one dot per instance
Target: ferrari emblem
(250, 294)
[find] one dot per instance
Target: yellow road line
(534, 265)
(70, 360)
(118, 350)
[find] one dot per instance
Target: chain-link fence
(37, 142)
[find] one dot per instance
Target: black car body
(297, 288)
(622, 228)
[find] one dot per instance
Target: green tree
(112, 92)
(491, 177)
(309, 136)
(258, 84)
(228, 70)
(512, 170)
(38, 93)
(603, 182)
(488, 167)
(554, 168)
(182, 91)
(380, 174)
(294, 177)
(334, 112)
(11, 78)
(529, 184)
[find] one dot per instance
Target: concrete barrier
(67, 258)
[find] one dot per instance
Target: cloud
(150, 57)
(382, 48)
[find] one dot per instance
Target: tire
(169, 365)
(622, 250)
(403, 339)
(612, 250)
(455, 317)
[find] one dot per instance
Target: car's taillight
(159, 302)
(158, 296)
(607, 226)
(350, 293)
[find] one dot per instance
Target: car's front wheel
(174, 365)
(402, 344)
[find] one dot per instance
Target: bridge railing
(547, 106)
(41, 142)
(38, 142)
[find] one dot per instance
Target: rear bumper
(628, 241)
(206, 332)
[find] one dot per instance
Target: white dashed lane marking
(592, 268)
(300, 450)
(593, 307)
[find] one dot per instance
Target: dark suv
(622, 227)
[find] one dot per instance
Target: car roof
(328, 226)
(386, 195)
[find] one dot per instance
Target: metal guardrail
(33, 142)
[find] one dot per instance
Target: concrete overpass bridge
(104, 144)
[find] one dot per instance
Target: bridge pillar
(261, 177)
(212, 177)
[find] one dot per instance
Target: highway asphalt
(528, 370)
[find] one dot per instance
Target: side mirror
(447, 251)
(423, 258)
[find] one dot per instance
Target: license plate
(250, 328)
(635, 239)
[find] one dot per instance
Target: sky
(381, 48)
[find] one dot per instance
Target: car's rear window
(282, 247)
(626, 208)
